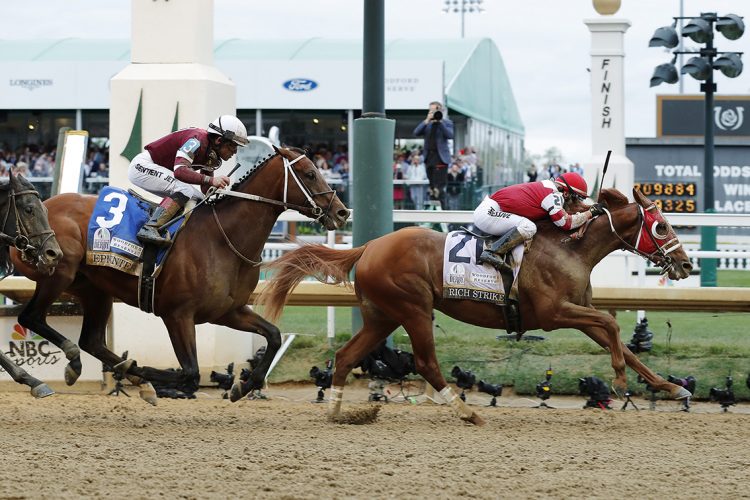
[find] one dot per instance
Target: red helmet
(573, 181)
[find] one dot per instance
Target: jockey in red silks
(172, 165)
(511, 211)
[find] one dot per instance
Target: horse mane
(613, 198)
(253, 170)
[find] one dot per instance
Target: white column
(172, 70)
(608, 105)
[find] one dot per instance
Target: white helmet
(230, 128)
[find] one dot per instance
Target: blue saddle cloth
(116, 219)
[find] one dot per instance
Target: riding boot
(501, 246)
(167, 209)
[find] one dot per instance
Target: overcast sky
(544, 44)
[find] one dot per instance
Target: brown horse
(398, 281)
(25, 227)
(208, 277)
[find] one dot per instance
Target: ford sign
(300, 84)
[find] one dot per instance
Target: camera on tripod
(725, 397)
(596, 391)
(385, 363)
(225, 380)
(464, 379)
(544, 389)
(322, 379)
(494, 390)
(642, 337)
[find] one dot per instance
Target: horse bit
(22, 240)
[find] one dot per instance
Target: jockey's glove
(596, 209)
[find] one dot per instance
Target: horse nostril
(687, 266)
(343, 213)
(52, 254)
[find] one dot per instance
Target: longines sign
(31, 84)
(683, 115)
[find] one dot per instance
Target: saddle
(112, 241)
(511, 309)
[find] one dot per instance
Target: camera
(493, 390)
(725, 397)
(464, 379)
(596, 391)
(225, 380)
(389, 364)
(437, 115)
(642, 337)
(322, 379)
(688, 382)
(543, 389)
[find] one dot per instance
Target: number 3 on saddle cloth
(464, 279)
(117, 217)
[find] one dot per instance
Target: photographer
(436, 129)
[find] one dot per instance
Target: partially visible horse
(25, 227)
(399, 280)
(208, 277)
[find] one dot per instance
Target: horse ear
(640, 198)
(275, 149)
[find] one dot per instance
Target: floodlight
(729, 64)
(731, 26)
(698, 68)
(664, 73)
(699, 30)
(666, 36)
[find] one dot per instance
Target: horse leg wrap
(334, 403)
(70, 349)
(458, 406)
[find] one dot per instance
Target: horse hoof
(680, 393)
(618, 390)
(235, 393)
(148, 393)
(41, 391)
(476, 420)
(71, 375)
(122, 367)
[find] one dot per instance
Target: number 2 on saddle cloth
(464, 279)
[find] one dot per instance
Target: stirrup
(149, 234)
(491, 258)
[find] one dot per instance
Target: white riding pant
(146, 174)
(490, 218)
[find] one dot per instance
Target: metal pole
(463, 11)
(708, 234)
(373, 57)
(373, 142)
(680, 48)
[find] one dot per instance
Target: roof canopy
(475, 82)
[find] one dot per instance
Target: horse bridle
(315, 211)
(22, 239)
(660, 256)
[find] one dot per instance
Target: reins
(314, 211)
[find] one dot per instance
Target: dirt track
(72, 445)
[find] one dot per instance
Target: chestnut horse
(25, 227)
(398, 281)
(212, 269)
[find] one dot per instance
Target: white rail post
(330, 310)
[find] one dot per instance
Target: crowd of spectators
(550, 171)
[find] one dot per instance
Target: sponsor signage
(683, 116)
(260, 84)
(40, 357)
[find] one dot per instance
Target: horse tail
(327, 265)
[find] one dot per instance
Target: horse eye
(310, 174)
(661, 229)
(29, 210)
